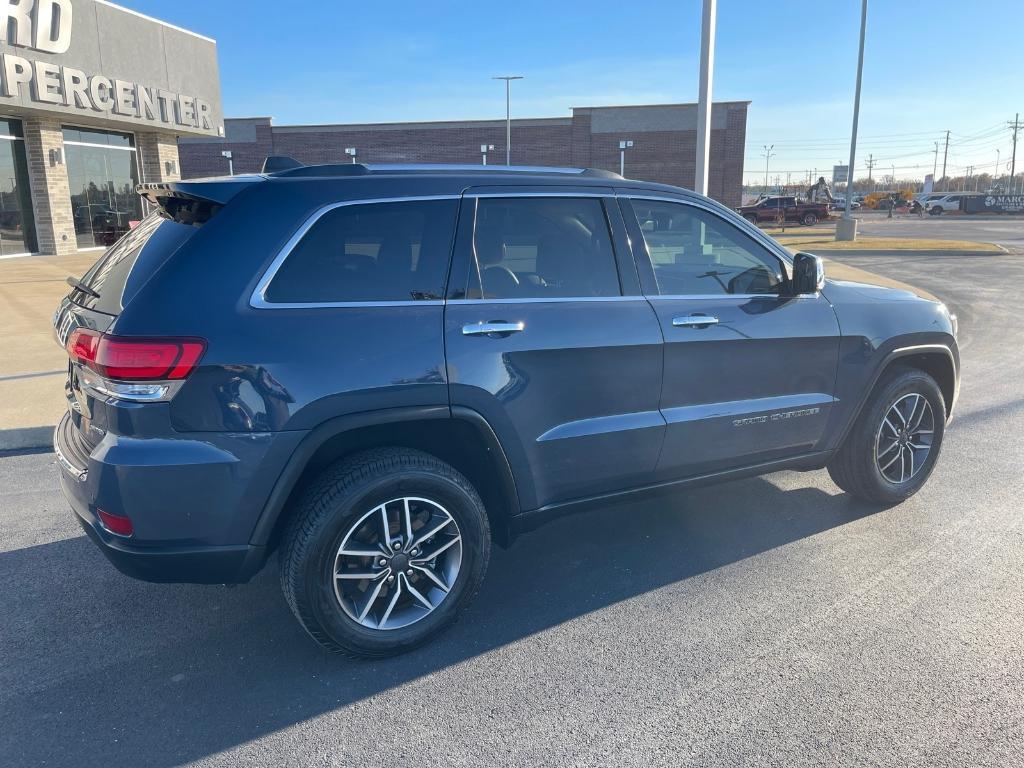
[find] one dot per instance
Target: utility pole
(1013, 157)
(935, 165)
(707, 71)
(945, 157)
(768, 155)
(508, 113)
(871, 167)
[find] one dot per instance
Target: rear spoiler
(196, 200)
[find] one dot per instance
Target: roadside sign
(840, 173)
(993, 204)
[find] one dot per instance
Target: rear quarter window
(388, 251)
(126, 266)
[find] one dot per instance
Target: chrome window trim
(546, 300)
(258, 299)
(739, 222)
(712, 296)
(608, 194)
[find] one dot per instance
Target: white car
(939, 204)
(839, 204)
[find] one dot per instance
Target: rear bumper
(202, 565)
(193, 503)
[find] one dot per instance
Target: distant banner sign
(994, 204)
(840, 173)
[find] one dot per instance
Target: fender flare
(311, 443)
(895, 354)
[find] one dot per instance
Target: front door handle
(495, 328)
(694, 321)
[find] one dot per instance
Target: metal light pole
(623, 146)
(508, 113)
(707, 70)
(846, 229)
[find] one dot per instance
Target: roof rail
(280, 167)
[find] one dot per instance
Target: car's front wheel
(892, 447)
(385, 549)
(810, 219)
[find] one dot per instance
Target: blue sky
(929, 66)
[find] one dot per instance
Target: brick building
(94, 99)
(663, 135)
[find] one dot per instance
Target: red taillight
(135, 359)
(118, 524)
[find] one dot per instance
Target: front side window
(542, 247)
(696, 253)
(370, 252)
(103, 172)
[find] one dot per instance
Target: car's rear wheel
(892, 448)
(810, 218)
(751, 218)
(385, 550)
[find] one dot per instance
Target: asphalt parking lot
(770, 621)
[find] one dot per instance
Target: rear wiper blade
(78, 285)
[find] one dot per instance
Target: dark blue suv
(376, 371)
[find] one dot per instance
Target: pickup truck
(794, 210)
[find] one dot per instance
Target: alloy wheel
(397, 563)
(904, 438)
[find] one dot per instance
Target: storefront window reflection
(17, 226)
(102, 173)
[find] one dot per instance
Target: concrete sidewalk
(33, 366)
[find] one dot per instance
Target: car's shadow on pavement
(104, 670)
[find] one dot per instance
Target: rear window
(370, 252)
(126, 266)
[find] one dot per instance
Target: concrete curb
(22, 438)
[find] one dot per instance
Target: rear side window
(542, 247)
(370, 252)
(126, 266)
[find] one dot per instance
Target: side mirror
(808, 273)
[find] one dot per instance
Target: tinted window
(129, 263)
(695, 252)
(372, 252)
(542, 247)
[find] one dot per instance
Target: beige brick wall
(158, 154)
(48, 178)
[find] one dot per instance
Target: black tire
(854, 468)
(330, 507)
(935, 210)
(752, 218)
(810, 219)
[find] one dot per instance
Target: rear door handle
(487, 329)
(694, 321)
